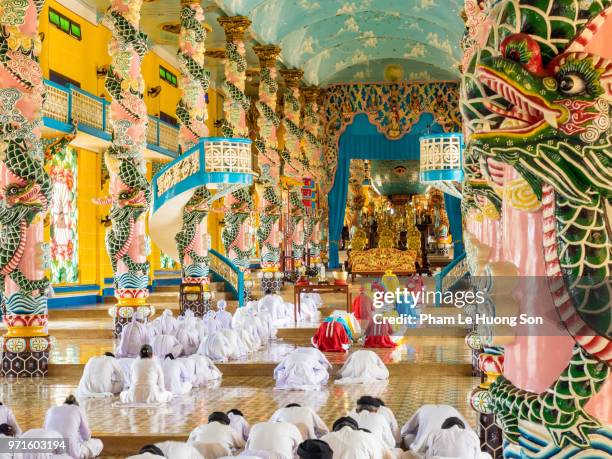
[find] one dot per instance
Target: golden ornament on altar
(359, 240)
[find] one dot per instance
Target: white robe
(223, 318)
(215, 432)
(216, 347)
(102, 377)
(166, 344)
(165, 324)
(7, 417)
(308, 309)
(203, 369)
(189, 338)
(134, 335)
(178, 450)
(308, 422)
(393, 425)
(40, 434)
(362, 366)
(265, 326)
(126, 367)
(347, 443)
(210, 324)
(146, 456)
(240, 425)
(281, 438)
(377, 424)
(426, 419)
(147, 384)
(454, 442)
(276, 307)
(236, 345)
(71, 423)
(177, 378)
(300, 370)
(317, 354)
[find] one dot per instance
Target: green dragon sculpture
(240, 208)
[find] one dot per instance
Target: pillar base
(275, 284)
(195, 297)
(491, 438)
(25, 357)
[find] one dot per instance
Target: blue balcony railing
(230, 274)
(450, 276)
(66, 104)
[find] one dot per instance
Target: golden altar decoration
(379, 261)
(359, 240)
(387, 238)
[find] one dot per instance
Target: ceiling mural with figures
(333, 41)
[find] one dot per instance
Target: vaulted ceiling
(333, 41)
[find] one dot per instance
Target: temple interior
(316, 229)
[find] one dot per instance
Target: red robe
(330, 337)
(377, 335)
(362, 307)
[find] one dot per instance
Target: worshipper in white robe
(275, 306)
(188, 336)
(70, 421)
(238, 347)
(367, 417)
(126, 368)
(147, 381)
(362, 366)
(348, 442)
(177, 378)
(209, 324)
(216, 347)
(179, 450)
(134, 335)
(314, 449)
(201, 369)
(302, 371)
(426, 419)
(148, 452)
(304, 418)
(391, 419)
(317, 354)
(239, 423)
(217, 430)
(265, 326)
(350, 320)
(6, 432)
(102, 377)
(166, 344)
(453, 440)
(40, 434)
(223, 317)
(244, 315)
(7, 417)
(280, 438)
(165, 324)
(308, 308)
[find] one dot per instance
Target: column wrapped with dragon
(294, 166)
(268, 234)
(26, 193)
(127, 243)
(239, 203)
(536, 98)
(192, 113)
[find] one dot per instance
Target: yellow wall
(89, 226)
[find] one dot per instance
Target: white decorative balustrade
(228, 155)
(440, 161)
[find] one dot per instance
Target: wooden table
(319, 288)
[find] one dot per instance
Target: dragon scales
(268, 233)
(127, 243)
(239, 203)
(26, 192)
(192, 114)
(535, 99)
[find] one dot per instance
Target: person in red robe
(331, 337)
(379, 335)
(363, 307)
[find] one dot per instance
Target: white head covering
(221, 305)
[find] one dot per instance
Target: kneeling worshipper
(216, 431)
(367, 416)
(188, 336)
(102, 377)
(425, 420)
(332, 337)
(353, 328)
(7, 417)
(378, 335)
(304, 418)
(177, 378)
(179, 450)
(70, 422)
(239, 423)
(314, 449)
(148, 452)
(134, 335)
(362, 367)
(201, 369)
(391, 419)
(42, 434)
(166, 344)
(165, 324)
(147, 381)
(217, 347)
(280, 438)
(348, 442)
(276, 307)
(309, 311)
(363, 306)
(453, 440)
(300, 371)
(316, 354)
(223, 317)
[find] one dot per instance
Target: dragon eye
(571, 84)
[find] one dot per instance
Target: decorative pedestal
(25, 356)
(491, 438)
(271, 280)
(196, 298)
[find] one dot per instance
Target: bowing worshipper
(348, 442)
(367, 416)
(274, 305)
(391, 419)
(363, 306)
(304, 418)
(378, 335)
(177, 378)
(146, 381)
(179, 450)
(239, 423)
(223, 317)
(134, 335)
(165, 324)
(309, 311)
(353, 328)
(7, 417)
(453, 440)
(362, 367)
(315, 353)
(209, 324)
(42, 434)
(425, 420)
(300, 371)
(217, 431)
(201, 369)
(314, 449)
(166, 344)
(280, 438)
(216, 347)
(188, 336)
(331, 337)
(265, 326)
(102, 377)
(148, 452)
(70, 422)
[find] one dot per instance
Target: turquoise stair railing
(229, 272)
(450, 276)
